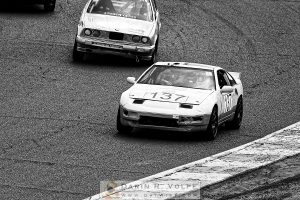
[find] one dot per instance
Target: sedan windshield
(136, 9)
(179, 77)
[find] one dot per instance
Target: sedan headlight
(136, 38)
(96, 33)
(87, 32)
(145, 40)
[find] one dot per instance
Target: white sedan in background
(120, 27)
(182, 97)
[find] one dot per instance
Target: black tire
(154, 55)
(212, 128)
(77, 55)
(49, 5)
(238, 116)
(120, 127)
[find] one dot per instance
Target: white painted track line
(213, 169)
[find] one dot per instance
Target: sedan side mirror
(227, 89)
(131, 80)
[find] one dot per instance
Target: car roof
(188, 65)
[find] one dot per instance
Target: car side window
(222, 78)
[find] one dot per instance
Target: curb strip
(219, 167)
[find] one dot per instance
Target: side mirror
(227, 89)
(131, 80)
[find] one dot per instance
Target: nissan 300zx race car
(182, 97)
(120, 27)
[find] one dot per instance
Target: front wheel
(154, 55)
(77, 55)
(120, 127)
(212, 128)
(49, 5)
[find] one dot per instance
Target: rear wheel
(77, 55)
(49, 5)
(120, 127)
(238, 116)
(212, 128)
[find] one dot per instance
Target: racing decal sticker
(165, 96)
(227, 99)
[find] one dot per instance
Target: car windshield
(136, 9)
(179, 77)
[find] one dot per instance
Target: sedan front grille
(158, 121)
(116, 36)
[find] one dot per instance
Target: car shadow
(107, 60)
(21, 7)
(172, 136)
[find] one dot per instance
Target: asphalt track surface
(58, 138)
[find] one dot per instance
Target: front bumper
(89, 45)
(161, 122)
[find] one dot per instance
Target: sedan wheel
(77, 55)
(212, 129)
(154, 55)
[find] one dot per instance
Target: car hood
(118, 24)
(191, 96)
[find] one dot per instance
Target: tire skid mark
(248, 43)
(182, 50)
(35, 141)
(54, 119)
(39, 42)
(279, 72)
(172, 24)
(43, 189)
(276, 24)
(68, 165)
(250, 47)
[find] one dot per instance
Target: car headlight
(96, 33)
(145, 40)
(87, 32)
(185, 120)
(80, 23)
(136, 38)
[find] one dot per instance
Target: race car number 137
(165, 96)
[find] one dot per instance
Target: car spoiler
(236, 75)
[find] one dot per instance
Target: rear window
(135, 9)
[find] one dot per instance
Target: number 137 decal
(166, 96)
(227, 103)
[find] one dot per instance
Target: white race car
(120, 27)
(180, 96)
